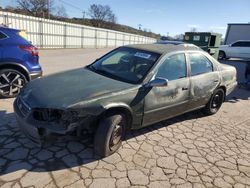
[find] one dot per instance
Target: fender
(17, 65)
(118, 105)
(125, 107)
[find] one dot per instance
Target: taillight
(31, 49)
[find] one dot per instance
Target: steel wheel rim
(116, 136)
(217, 101)
(10, 83)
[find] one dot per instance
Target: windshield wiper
(93, 68)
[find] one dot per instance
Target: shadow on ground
(240, 93)
(18, 153)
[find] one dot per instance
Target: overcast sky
(167, 16)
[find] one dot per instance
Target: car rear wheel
(109, 134)
(222, 55)
(215, 102)
(11, 81)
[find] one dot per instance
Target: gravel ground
(188, 151)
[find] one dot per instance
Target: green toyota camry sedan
(129, 88)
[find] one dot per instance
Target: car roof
(242, 41)
(169, 42)
(164, 48)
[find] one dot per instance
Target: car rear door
(245, 49)
(163, 102)
(204, 79)
(237, 50)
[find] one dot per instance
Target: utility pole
(48, 9)
(83, 16)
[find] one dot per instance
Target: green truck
(208, 41)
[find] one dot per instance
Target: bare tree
(36, 7)
(101, 14)
(61, 12)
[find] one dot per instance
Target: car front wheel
(11, 81)
(215, 102)
(109, 134)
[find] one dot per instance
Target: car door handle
(184, 88)
(216, 80)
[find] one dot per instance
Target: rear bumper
(36, 74)
(231, 88)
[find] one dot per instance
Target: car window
(2, 36)
(241, 44)
(196, 38)
(199, 64)
(126, 64)
(173, 68)
(245, 44)
(115, 59)
(237, 44)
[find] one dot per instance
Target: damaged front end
(40, 124)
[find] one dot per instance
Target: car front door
(168, 101)
(204, 79)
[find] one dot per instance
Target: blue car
(19, 62)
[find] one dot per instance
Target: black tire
(222, 55)
(215, 102)
(109, 134)
(11, 81)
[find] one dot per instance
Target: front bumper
(38, 131)
(36, 74)
(30, 131)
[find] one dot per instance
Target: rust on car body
(75, 100)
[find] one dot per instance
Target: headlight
(49, 115)
(55, 115)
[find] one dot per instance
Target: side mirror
(157, 82)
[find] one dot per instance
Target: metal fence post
(65, 36)
(5, 20)
(115, 39)
(95, 38)
(107, 39)
(123, 39)
(82, 37)
(40, 33)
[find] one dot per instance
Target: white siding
(46, 33)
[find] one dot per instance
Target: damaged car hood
(65, 89)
